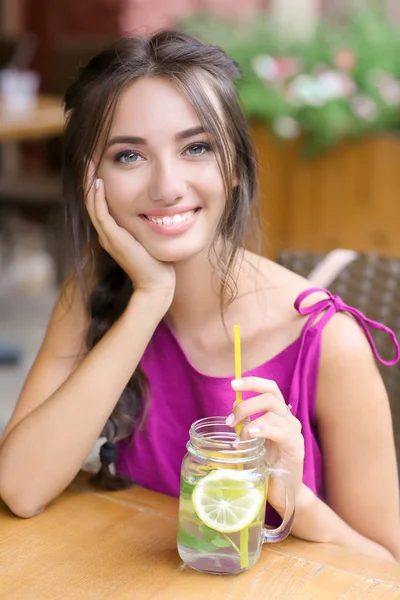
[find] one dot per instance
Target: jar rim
(203, 431)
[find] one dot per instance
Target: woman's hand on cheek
(145, 272)
(277, 425)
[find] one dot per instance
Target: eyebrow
(135, 140)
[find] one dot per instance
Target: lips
(175, 219)
(171, 221)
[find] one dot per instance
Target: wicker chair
(370, 283)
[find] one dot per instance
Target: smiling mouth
(171, 221)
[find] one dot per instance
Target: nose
(167, 183)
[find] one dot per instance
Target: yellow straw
(244, 534)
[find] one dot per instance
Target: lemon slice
(227, 502)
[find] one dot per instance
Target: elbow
(395, 552)
(391, 556)
(23, 510)
(18, 503)
(392, 546)
(20, 508)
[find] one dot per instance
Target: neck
(197, 296)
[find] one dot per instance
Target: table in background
(122, 545)
(44, 121)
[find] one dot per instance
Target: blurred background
(321, 89)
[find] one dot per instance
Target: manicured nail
(97, 184)
(230, 419)
(236, 442)
(237, 383)
(254, 430)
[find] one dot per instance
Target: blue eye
(198, 149)
(128, 157)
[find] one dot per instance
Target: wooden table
(122, 545)
(46, 120)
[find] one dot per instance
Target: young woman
(160, 186)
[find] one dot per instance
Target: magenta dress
(180, 395)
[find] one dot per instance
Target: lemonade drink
(213, 510)
(223, 498)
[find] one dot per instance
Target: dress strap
(333, 304)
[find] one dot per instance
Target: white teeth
(174, 220)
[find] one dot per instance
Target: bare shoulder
(344, 344)
(344, 340)
(348, 380)
(342, 337)
(282, 287)
(274, 272)
(356, 435)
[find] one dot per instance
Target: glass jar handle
(281, 532)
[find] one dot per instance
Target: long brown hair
(90, 103)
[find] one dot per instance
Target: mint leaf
(186, 538)
(219, 540)
(186, 489)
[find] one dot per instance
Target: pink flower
(345, 60)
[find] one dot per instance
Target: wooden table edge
(336, 557)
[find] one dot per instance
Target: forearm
(42, 453)
(317, 522)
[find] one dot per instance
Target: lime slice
(226, 501)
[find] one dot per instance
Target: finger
(273, 428)
(239, 429)
(91, 206)
(113, 237)
(273, 433)
(257, 384)
(263, 403)
(258, 427)
(103, 222)
(101, 212)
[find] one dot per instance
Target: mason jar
(222, 503)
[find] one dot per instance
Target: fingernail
(237, 383)
(230, 419)
(254, 430)
(97, 184)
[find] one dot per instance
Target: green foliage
(343, 83)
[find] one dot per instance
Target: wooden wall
(347, 198)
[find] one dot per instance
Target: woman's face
(161, 176)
